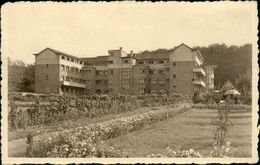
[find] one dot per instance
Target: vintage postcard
(129, 82)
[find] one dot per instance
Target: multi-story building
(209, 78)
(176, 71)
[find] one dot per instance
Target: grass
(192, 129)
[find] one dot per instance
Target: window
(97, 72)
(167, 69)
(141, 81)
(110, 81)
(161, 62)
(153, 91)
(67, 68)
(161, 71)
(62, 67)
(140, 62)
(62, 78)
(47, 65)
(174, 76)
(162, 81)
(153, 81)
(126, 61)
(174, 88)
(126, 86)
(72, 60)
(174, 64)
(68, 58)
(141, 70)
(67, 78)
(62, 57)
(151, 62)
(72, 69)
(76, 70)
(126, 73)
(151, 71)
(141, 91)
(110, 62)
(111, 71)
(98, 81)
(47, 77)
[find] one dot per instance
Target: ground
(192, 129)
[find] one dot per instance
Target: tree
(20, 76)
(227, 86)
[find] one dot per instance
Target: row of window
(153, 81)
(154, 62)
(72, 79)
(72, 60)
(154, 71)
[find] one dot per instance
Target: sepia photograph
(129, 82)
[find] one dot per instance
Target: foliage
(20, 76)
(227, 86)
(177, 154)
(222, 122)
(197, 97)
(61, 108)
(231, 60)
(221, 151)
(82, 141)
(223, 107)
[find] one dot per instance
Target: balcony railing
(199, 82)
(199, 70)
(73, 84)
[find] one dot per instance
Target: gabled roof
(60, 53)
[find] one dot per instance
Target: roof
(98, 58)
(159, 53)
(60, 53)
(152, 55)
(210, 66)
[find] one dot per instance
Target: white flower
(227, 149)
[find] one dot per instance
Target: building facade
(176, 71)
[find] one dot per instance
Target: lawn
(192, 129)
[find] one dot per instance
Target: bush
(82, 141)
(198, 97)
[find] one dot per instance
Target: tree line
(234, 65)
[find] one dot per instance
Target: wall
(44, 85)
(47, 65)
(183, 80)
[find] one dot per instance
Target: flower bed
(224, 106)
(87, 141)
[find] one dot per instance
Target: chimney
(131, 53)
(120, 48)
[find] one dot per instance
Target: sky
(91, 29)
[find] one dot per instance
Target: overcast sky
(90, 29)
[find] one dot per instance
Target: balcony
(199, 70)
(73, 84)
(199, 82)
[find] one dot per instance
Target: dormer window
(126, 61)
